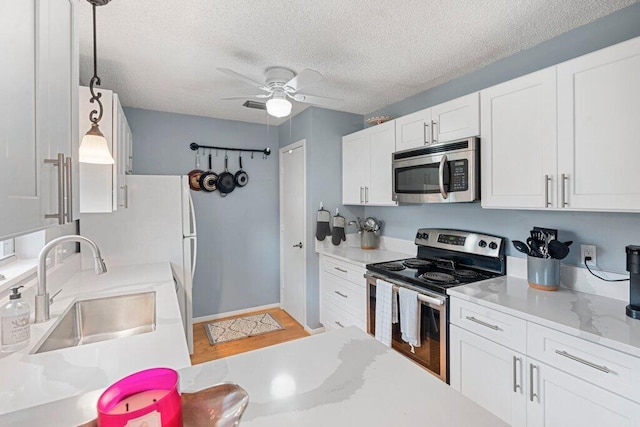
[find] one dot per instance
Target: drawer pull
(341, 269)
(341, 294)
(339, 324)
(480, 322)
(584, 362)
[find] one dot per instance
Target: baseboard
(234, 313)
(314, 331)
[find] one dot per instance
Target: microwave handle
(443, 162)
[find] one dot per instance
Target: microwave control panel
(459, 175)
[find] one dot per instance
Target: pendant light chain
(95, 80)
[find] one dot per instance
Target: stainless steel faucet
(42, 297)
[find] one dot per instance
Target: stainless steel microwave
(440, 173)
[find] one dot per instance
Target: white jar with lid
(14, 323)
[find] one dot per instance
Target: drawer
(344, 294)
(602, 366)
(491, 324)
(344, 270)
(333, 317)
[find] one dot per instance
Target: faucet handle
(53, 296)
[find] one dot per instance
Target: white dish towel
(384, 304)
(409, 317)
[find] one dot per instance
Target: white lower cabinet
(588, 385)
(343, 297)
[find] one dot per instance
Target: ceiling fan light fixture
(278, 107)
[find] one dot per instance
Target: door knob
(299, 245)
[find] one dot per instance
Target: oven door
(432, 353)
(446, 177)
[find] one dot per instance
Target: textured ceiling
(162, 55)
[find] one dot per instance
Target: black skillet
(209, 180)
(226, 180)
(241, 178)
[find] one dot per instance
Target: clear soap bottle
(14, 323)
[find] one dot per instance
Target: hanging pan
(209, 180)
(194, 175)
(241, 177)
(226, 180)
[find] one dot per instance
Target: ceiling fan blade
(245, 79)
(245, 97)
(317, 100)
(304, 78)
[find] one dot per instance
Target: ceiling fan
(280, 84)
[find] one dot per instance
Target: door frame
(282, 152)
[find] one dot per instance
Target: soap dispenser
(14, 321)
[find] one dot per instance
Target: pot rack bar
(195, 146)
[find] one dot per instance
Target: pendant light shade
(279, 106)
(94, 148)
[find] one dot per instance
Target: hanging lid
(16, 294)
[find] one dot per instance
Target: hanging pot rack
(195, 146)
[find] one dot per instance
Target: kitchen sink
(102, 319)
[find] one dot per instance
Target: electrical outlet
(588, 251)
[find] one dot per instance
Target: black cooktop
(436, 275)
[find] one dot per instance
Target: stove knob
(418, 235)
(482, 243)
(493, 245)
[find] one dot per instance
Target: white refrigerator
(157, 224)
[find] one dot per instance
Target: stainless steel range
(445, 258)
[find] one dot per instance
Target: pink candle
(148, 398)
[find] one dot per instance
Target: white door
(518, 142)
(382, 143)
(489, 374)
(456, 119)
(355, 167)
(413, 130)
(560, 399)
(599, 129)
(292, 231)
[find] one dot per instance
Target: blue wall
(238, 238)
(611, 232)
(323, 130)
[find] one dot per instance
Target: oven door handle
(421, 297)
(443, 162)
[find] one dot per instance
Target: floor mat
(220, 331)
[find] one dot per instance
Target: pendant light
(94, 148)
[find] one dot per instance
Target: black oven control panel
(459, 175)
(450, 239)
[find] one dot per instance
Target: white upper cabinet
(366, 166)
(599, 129)
(518, 142)
(103, 188)
(37, 114)
(455, 119)
(413, 130)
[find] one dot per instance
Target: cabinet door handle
(340, 270)
(341, 294)
(339, 324)
(433, 127)
(69, 166)
(361, 195)
(584, 362)
(532, 395)
(547, 181)
(563, 182)
(426, 128)
(59, 163)
(366, 194)
(516, 386)
(480, 322)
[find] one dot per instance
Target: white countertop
(28, 380)
(339, 378)
(347, 251)
(591, 317)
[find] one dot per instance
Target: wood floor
(204, 352)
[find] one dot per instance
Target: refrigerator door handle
(192, 215)
(194, 254)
